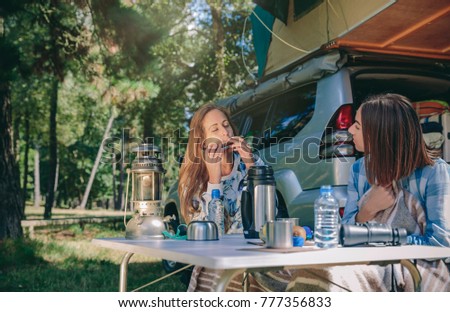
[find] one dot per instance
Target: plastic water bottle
(216, 211)
(326, 219)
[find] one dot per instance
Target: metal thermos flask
(258, 200)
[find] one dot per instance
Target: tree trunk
(16, 142)
(114, 186)
(53, 151)
(97, 161)
(55, 187)
(149, 122)
(219, 42)
(10, 192)
(25, 161)
(120, 192)
(37, 178)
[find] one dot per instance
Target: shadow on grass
(21, 269)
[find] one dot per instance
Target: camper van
(298, 121)
(297, 116)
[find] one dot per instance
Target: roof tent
(285, 31)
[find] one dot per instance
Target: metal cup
(279, 234)
(294, 221)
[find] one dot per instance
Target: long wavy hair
(393, 140)
(194, 177)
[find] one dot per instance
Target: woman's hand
(379, 198)
(240, 145)
(213, 155)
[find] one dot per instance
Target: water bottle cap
(215, 193)
(324, 189)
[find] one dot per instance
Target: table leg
(245, 282)
(415, 274)
(124, 271)
(226, 277)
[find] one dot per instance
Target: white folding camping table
(234, 255)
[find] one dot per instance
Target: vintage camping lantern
(146, 194)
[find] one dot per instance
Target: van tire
(171, 209)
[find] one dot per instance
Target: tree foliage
(155, 61)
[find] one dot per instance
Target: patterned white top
(230, 187)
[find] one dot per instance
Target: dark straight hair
(393, 140)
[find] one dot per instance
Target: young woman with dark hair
(388, 131)
(395, 183)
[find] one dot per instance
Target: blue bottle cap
(326, 189)
(215, 193)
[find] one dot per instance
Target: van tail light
(341, 211)
(336, 140)
(344, 119)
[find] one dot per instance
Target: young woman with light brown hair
(215, 158)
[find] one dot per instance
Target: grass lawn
(63, 259)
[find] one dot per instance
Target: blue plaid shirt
(431, 185)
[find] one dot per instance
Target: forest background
(74, 73)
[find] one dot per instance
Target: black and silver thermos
(258, 200)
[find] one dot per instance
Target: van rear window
(291, 113)
(414, 86)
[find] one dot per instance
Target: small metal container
(202, 231)
(279, 234)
